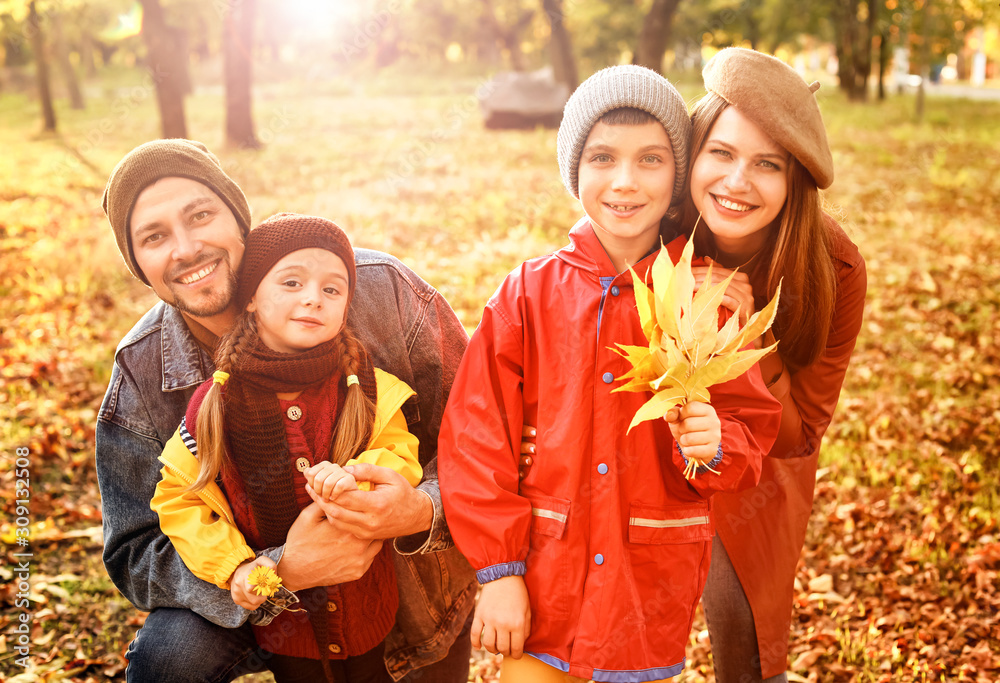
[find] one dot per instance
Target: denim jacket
(410, 331)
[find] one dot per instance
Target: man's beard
(201, 307)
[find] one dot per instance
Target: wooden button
(334, 648)
(294, 413)
(331, 607)
(302, 464)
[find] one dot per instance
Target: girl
(759, 157)
(294, 401)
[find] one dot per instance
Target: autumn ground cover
(898, 581)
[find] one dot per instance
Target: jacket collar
(585, 251)
(184, 364)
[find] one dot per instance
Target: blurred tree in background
(854, 39)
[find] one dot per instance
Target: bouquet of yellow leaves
(687, 351)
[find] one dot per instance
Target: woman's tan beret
(775, 97)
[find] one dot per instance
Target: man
(180, 221)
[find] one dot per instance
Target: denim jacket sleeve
(411, 332)
(139, 558)
(143, 406)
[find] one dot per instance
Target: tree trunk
(562, 47)
(849, 49)
(238, 55)
(166, 63)
(42, 68)
(866, 49)
(65, 65)
(87, 56)
(883, 59)
(925, 54)
(655, 34)
(510, 36)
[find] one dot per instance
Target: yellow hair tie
(220, 377)
(352, 379)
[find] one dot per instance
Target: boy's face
(626, 181)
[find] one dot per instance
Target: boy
(594, 562)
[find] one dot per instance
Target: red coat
(615, 540)
(763, 528)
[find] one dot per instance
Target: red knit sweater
(361, 612)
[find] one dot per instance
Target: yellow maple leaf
(688, 353)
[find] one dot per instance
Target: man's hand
(243, 594)
(503, 617)
(696, 429)
(391, 508)
(319, 554)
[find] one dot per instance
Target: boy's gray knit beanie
(616, 87)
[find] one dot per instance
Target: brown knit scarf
(257, 447)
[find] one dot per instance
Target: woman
(759, 158)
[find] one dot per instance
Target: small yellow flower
(264, 581)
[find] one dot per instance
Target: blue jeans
(178, 646)
(731, 629)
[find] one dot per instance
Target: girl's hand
(329, 480)
(739, 294)
(696, 429)
(243, 594)
(503, 617)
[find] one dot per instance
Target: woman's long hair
(353, 427)
(798, 252)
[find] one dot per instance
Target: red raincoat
(763, 528)
(613, 542)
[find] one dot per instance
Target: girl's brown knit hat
(775, 97)
(280, 235)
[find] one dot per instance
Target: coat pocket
(659, 525)
(548, 575)
(549, 516)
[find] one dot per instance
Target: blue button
(598, 558)
(615, 291)
(608, 378)
(602, 468)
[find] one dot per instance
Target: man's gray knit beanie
(614, 88)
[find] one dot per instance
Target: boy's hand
(503, 617)
(329, 480)
(696, 429)
(243, 594)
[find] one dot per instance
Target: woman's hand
(739, 294)
(243, 594)
(527, 451)
(503, 617)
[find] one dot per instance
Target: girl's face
(739, 182)
(302, 301)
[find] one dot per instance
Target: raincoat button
(615, 291)
(599, 559)
(602, 468)
(608, 378)
(294, 413)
